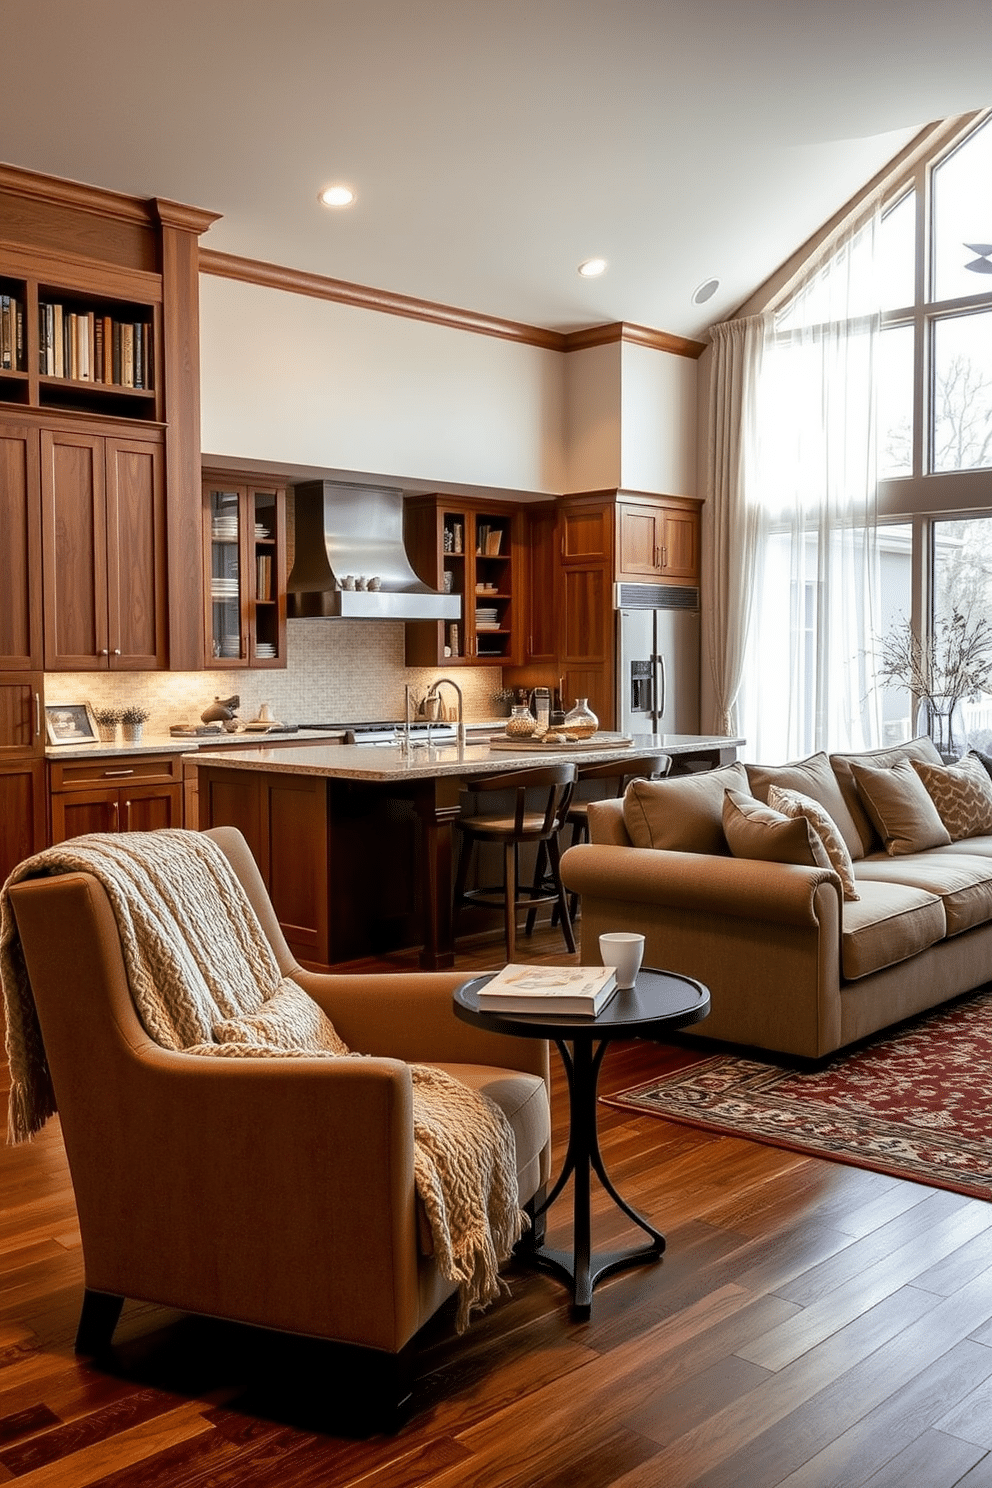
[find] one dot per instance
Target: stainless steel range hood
(347, 531)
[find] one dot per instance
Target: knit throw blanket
(205, 980)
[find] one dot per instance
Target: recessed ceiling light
(705, 291)
(337, 196)
(592, 268)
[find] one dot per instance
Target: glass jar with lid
(521, 722)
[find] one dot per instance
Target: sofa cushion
(889, 923)
(814, 778)
(921, 748)
(683, 813)
(963, 883)
(754, 830)
(899, 806)
(962, 794)
(795, 803)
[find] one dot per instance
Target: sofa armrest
(782, 893)
(411, 1016)
(763, 937)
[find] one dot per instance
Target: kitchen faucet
(432, 691)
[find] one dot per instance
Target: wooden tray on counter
(594, 741)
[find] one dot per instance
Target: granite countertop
(178, 744)
(388, 763)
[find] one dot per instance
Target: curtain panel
(792, 565)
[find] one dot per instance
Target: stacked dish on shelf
(265, 651)
(225, 528)
(486, 617)
(262, 534)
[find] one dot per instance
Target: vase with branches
(951, 666)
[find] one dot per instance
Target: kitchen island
(355, 842)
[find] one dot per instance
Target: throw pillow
(985, 760)
(795, 803)
(921, 748)
(816, 780)
(289, 1019)
(755, 831)
(962, 794)
(683, 813)
(899, 807)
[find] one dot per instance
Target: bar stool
(510, 828)
(622, 772)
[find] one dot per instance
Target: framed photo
(70, 723)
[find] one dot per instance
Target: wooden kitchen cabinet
(23, 812)
(116, 793)
(472, 549)
(244, 558)
(600, 539)
(658, 540)
(103, 522)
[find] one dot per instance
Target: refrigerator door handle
(660, 689)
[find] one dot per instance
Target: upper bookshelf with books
(73, 351)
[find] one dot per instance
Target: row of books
(263, 576)
(11, 334)
(488, 540)
(87, 347)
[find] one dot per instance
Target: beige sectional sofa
(794, 963)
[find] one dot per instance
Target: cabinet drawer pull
(113, 774)
(37, 715)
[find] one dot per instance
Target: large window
(935, 361)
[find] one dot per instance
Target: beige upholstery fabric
(814, 778)
(754, 830)
(795, 803)
(900, 809)
(889, 923)
(921, 749)
(683, 813)
(964, 884)
(288, 1020)
(962, 794)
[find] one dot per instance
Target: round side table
(660, 1002)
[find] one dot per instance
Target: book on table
(549, 989)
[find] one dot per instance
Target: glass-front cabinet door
(244, 554)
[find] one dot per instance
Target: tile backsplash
(338, 671)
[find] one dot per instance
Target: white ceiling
(494, 143)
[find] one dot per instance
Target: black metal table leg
(581, 1268)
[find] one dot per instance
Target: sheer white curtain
(806, 596)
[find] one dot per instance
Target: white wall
(291, 379)
(592, 418)
(658, 421)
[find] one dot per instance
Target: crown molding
(343, 292)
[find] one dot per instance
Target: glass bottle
(581, 721)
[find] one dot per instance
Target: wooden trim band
(343, 292)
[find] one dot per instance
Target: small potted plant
(133, 719)
(503, 699)
(107, 720)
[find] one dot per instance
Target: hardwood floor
(810, 1324)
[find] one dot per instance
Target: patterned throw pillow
(795, 803)
(756, 831)
(962, 794)
(289, 1019)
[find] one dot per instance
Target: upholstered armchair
(277, 1192)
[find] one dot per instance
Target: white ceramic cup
(624, 950)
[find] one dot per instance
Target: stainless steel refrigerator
(658, 658)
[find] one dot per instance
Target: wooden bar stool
(621, 772)
(510, 828)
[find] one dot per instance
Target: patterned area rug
(916, 1103)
